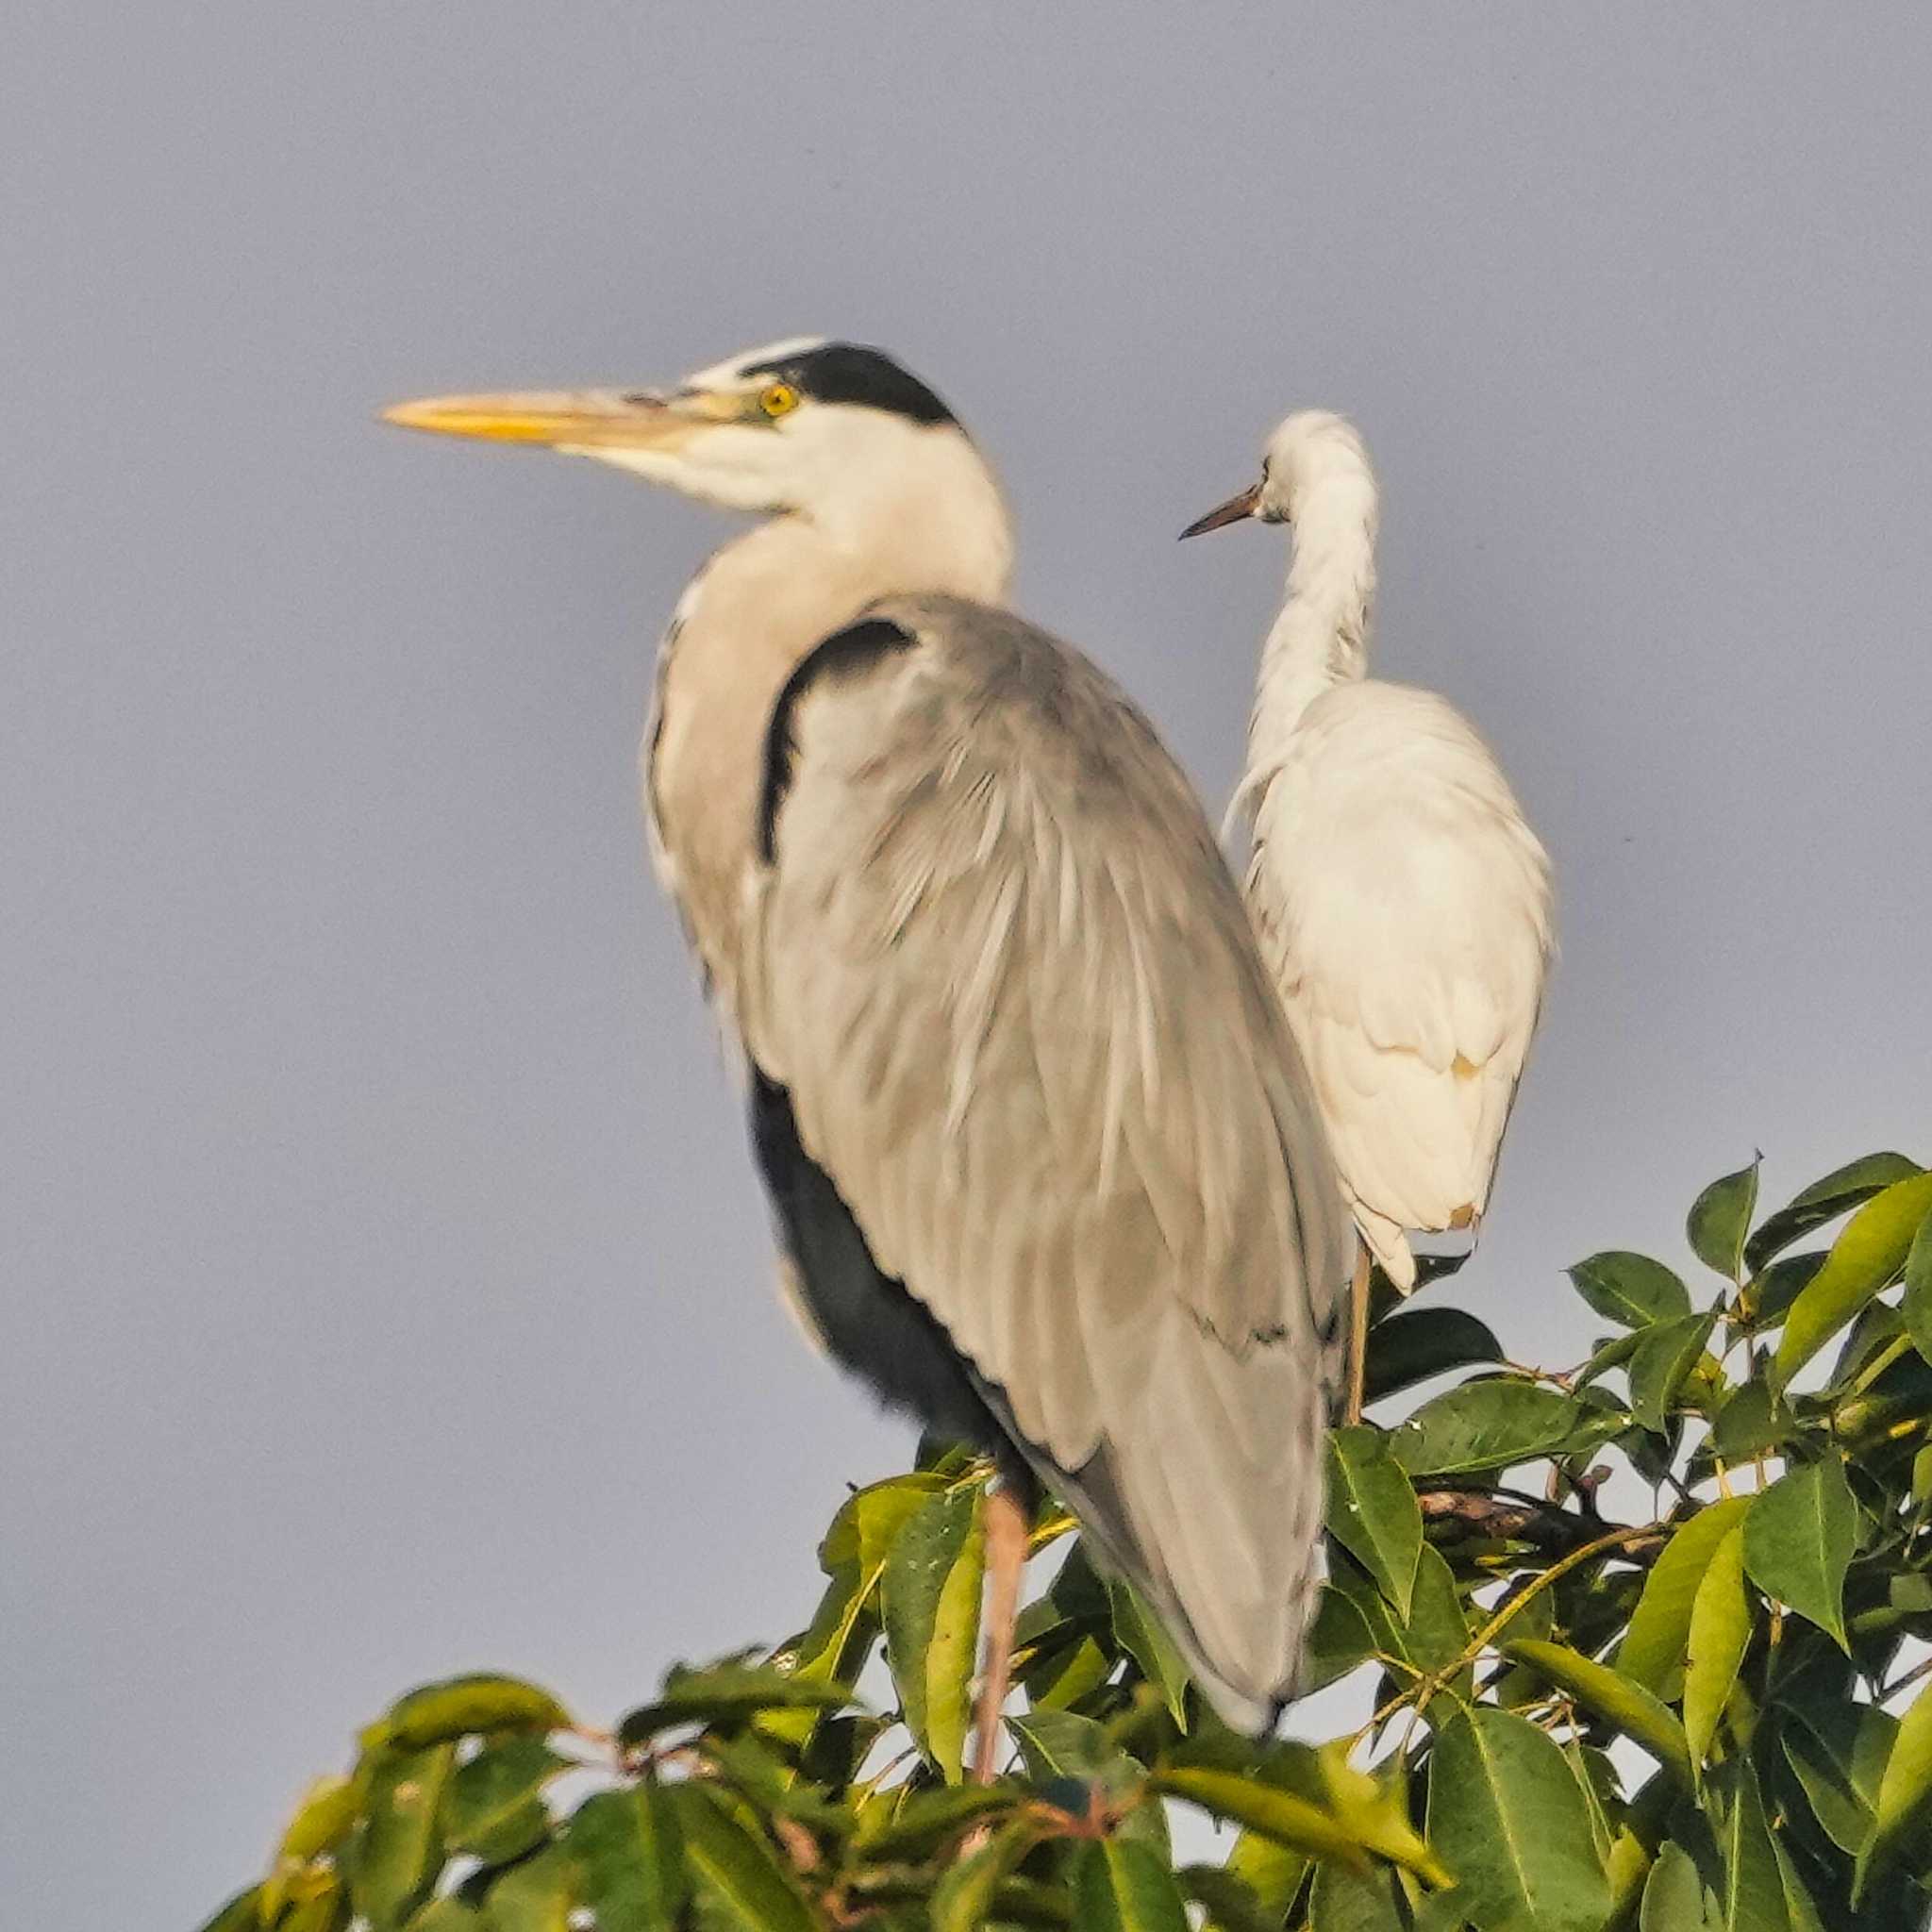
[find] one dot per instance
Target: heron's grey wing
(1000, 969)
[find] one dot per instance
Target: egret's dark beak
(1232, 511)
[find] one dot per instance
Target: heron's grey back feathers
(999, 966)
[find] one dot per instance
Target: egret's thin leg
(1359, 1336)
(1005, 1558)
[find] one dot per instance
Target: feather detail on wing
(1404, 907)
(1000, 967)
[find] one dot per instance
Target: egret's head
(785, 427)
(1314, 456)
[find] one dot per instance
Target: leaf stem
(1426, 1688)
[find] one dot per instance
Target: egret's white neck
(1321, 638)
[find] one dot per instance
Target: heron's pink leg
(1359, 1335)
(1006, 1556)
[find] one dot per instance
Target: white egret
(1043, 1161)
(1401, 901)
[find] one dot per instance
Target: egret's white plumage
(1030, 1115)
(1402, 900)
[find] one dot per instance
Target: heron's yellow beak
(572, 419)
(1232, 511)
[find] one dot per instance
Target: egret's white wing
(1001, 970)
(1404, 905)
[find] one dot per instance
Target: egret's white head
(805, 425)
(1314, 460)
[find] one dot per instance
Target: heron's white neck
(926, 518)
(1321, 638)
(928, 515)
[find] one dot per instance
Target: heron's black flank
(850, 372)
(845, 651)
(866, 1317)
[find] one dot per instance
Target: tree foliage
(1710, 1711)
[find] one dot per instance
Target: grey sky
(386, 1289)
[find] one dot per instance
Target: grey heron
(1401, 898)
(1044, 1165)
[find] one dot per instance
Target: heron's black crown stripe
(850, 372)
(844, 651)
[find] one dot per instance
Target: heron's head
(1313, 456)
(789, 427)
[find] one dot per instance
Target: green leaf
(1825, 1200)
(1437, 1632)
(1720, 1218)
(833, 1649)
(1596, 1778)
(930, 1598)
(1345, 1900)
(1492, 1424)
(1076, 1606)
(1719, 1632)
(964, 1896)
(537, 1896)
(1674, 1896)
(736, 1874)
(869, 1522)
(1838, 1752)
(396, 1855)
(1059, 1680)
(1339, 1640)
(1751, 1423)
(1916, 1305)
(1801, 1909)
(1613, 1354)
(1630, 1289)
(1122, 1885)
(324, 1817)
(1062, 1744)
(1437, 1628)
(1231, 1903)
(321, 1909)
(1798, 1542)
(243, 1913)
(1373, 1513)
(1612, 1695)
(1655, 1643)
(723, 1693)
(1314, 1802)
(631, 1849)
(1905, 1791)
(1271, 1873)
(1440, 1911)
(1753, 1897)
(1666, 1352)
(460, 1706)
(1768, 1297)
(921, 1822)
(494, 1807)
(449, 1913)
(1510, 1821)
(1862, 1261)
(1411, 1345)
(1140, 1634)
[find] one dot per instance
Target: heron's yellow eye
(779, 399)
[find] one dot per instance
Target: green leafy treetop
(1717, 1714)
